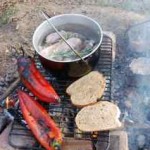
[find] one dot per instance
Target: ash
(11, 72)
(130, 88)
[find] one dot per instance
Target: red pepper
(35, 82)
(41, 124)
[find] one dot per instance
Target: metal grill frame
(104, 65)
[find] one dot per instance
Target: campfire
(64, 113)
(127, 75)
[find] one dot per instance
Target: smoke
(138, 94)
(139, 38)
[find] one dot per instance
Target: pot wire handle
(46, 16)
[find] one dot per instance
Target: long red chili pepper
(42, 126)
(35, 82)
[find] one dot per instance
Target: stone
(140, 66)
(118, 141)
(24, 137)
(4, 139)
(128, 104)
(141, 139)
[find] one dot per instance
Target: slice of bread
(87, 90)
(101, 116)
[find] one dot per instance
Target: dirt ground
(19, 19)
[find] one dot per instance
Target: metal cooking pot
(75, 23)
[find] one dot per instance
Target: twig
(10, 89)
(25, 51)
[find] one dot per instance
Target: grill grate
(65, 112)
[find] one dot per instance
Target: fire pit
(65, 112)
(131, 88)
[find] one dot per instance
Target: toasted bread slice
(101, 116)
(87, 90)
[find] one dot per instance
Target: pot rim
(77, 59)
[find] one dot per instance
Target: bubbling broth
(54, 48)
